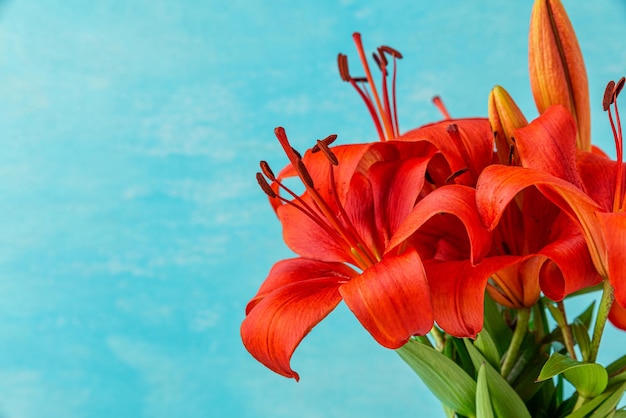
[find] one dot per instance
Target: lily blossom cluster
(458, 235)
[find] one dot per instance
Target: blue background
(132, 231)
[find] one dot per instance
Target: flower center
(611, 92)
(329, 216)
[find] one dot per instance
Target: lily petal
(593, 169)
(549, 144)
(472, 149)
(613, 226)
(396, 187)
(569, 267)
(456, 200)
(458, 292)
(391, 299)
(297, 295)
(307, 238)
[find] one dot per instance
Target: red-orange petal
(569, 267)
(391, 299)
(396, 186)
(296, 297)
(614, 230)
(308, 239)
(456, 200)
(458, 292)
(474, 150)
(549, 144)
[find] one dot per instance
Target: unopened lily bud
(557, 69)
(505, 117)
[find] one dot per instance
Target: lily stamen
(301, 205)
(335, 224)
(383, 112)
(610, 98)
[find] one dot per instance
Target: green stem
(567, 332)
(603, 312)
(521, 327)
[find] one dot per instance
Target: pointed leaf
(586, 316)
(445, 379)
(488, 349)
(506, 403)
(589, 379)
(589, 406)
(581, 335)
(617, 370)
(483, 402)
(495, 324)
(610, 404)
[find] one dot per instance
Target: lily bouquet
(456, 243)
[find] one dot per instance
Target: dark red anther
(511, 153)
(326, 141)
(342, 63)
(381, 55)
(381, 62)
(321, 146)
(609, 97)
(618, 87)
(391, 51)
(456, 174)
(265, 186)
(304, 174)
(296, 152)
(329, 139)
(267, 171)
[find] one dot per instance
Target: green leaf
(496, 325)
(483, 402)
(505, 402)
(610, 404)
(589, 406)
(530, 362)
(589, 379)
(488, 348)
(581, 335)
(587, 315)
(445, 379)
(617, 368)
(461, 356)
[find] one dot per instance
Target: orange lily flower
(579, 185)
(356, 197)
